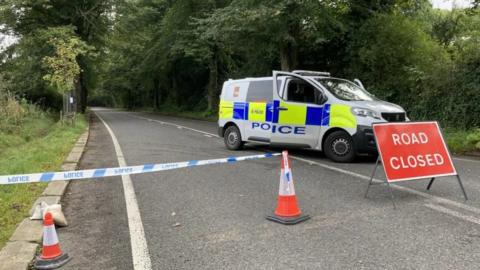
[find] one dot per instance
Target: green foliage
(157, 53)
(33, 59)
(62, 66)
(461, 141)
(22, 71)
(16, 113)
(401, 63)
(474, 138)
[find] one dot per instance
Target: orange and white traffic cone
(287, 212)
(52, 256)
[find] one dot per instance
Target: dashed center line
(431, 198)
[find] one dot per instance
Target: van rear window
(260, 91)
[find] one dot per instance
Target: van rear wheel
(233, 138)
(338, 146)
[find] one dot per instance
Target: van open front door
(297, 114)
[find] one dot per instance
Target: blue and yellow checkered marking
(334, 115)
(269, 112)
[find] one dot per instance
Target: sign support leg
(386, 182)
(373, 175)
(391, 194)
(461, 186)
(430, 183)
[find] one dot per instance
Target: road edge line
(140, 253)
(453, 213)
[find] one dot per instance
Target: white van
(306, 109)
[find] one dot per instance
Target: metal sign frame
(432, 178)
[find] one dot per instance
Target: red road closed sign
(412, 150)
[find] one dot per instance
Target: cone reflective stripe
(51, 247)
(52, 256)
(286, 187)
(287, 211)
(287, 205)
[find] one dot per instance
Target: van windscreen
(345, 90)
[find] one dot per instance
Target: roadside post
(411, 151)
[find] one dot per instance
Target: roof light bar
(311, 73)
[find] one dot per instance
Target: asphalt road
(212, 217)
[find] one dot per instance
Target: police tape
(117, 171)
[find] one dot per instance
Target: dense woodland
(175, 55)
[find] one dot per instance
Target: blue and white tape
(107, 172)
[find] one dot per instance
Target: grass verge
(40, 145)
(461, 142)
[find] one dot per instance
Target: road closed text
(416, 161)
(413, 161)
(412, 150)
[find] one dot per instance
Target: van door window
(300, 91)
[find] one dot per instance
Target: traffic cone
(287, 212)
(52, 256)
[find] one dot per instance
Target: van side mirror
(321, 98)
(359, 83)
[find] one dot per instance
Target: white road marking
(402, 188)
(453, 213)
(175, 125)
(216, 136)
(140, 253)
(466, 159)
(208, 136)
(431, 198)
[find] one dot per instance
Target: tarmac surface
(213, 217)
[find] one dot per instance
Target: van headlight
(365, 113)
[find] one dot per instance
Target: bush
(474, 138)
(21, 121)
(11, 112)
(15, 111)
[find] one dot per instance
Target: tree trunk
(289, 47)
(288, 56)
(77, 94)
(156, 94)
(83, 93)
(212, 96)
(174, 91)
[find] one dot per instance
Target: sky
(447, 4)
(442, 4)
(5, 41)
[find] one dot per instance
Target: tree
(278, 25)
(395, 57)
(90, 19)
(62, 65)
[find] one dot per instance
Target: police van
(306, 109)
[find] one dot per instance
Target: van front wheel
(338, 146)
(233, 138)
